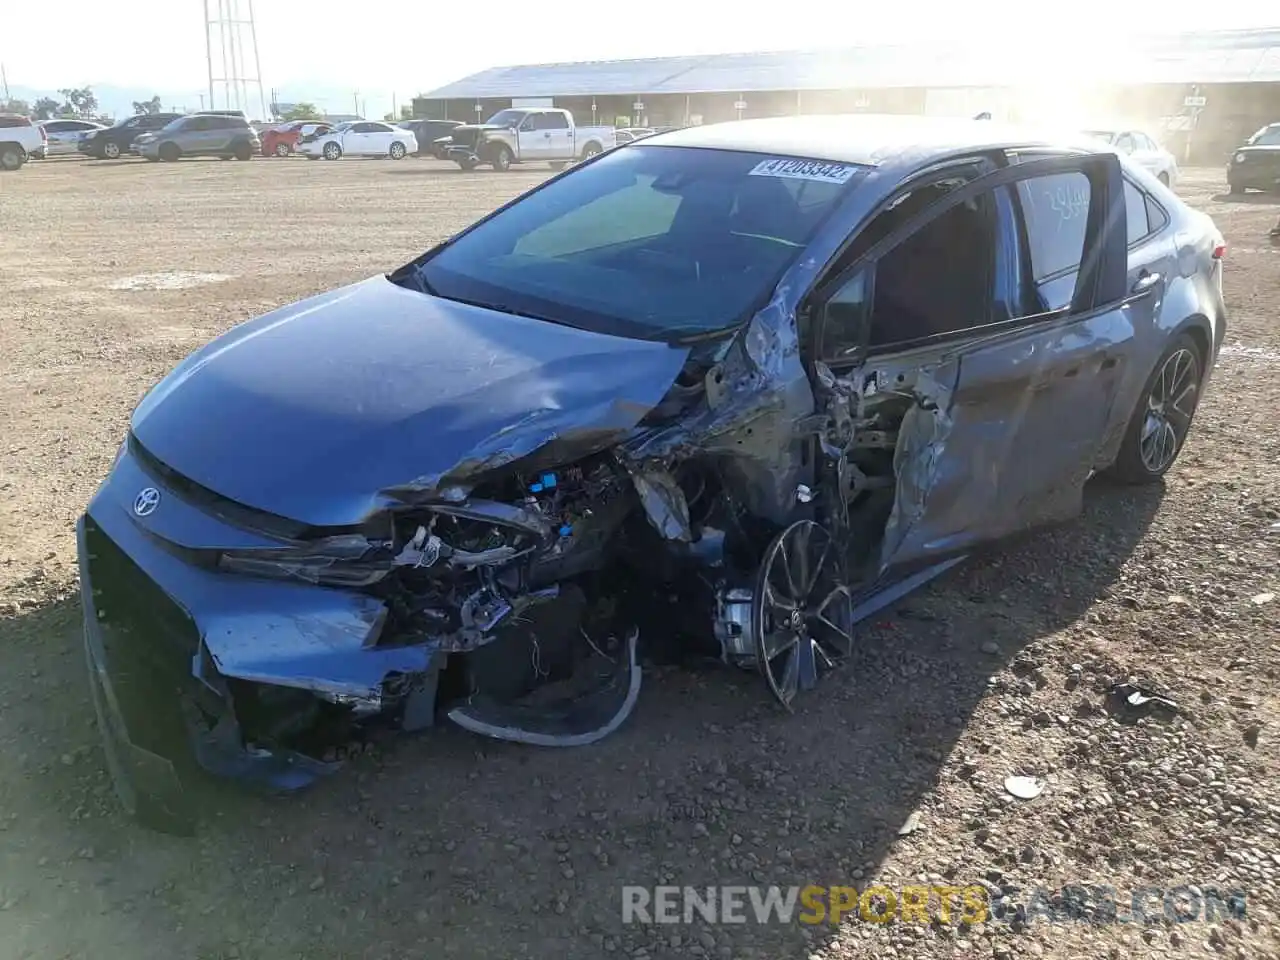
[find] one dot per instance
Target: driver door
(533, 139)
(1008, 396)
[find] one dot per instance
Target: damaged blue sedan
(724, 391)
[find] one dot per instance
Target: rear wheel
(111, 151)
(282, 149)
(332, 151)
(169, 152)
(11, 157)
(242, 150)
(467, 164)
(397, 151)
(590, 150)
(1159, 424)
(557, 164)
(1163, 177)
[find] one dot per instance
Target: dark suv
(428, 132)
(113, 142)
(223, 135)
(1256, 162)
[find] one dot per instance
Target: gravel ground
(447, 845)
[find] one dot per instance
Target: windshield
(650, 242)
(506, 118)
(1266, 137)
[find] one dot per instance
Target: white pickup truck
(525, 136)
(20, 141)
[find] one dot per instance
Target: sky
(369, 51)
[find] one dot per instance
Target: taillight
(1219, 251)
(44, 135)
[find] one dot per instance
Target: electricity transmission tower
(230, 41)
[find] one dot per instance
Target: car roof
(868, 139)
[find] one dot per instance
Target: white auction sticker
(792, 169)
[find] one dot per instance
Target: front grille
(148, 642)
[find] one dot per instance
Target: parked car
(114, 142)
(282, 140)
(200, 135)
(523, 136)
(1255, 164)
(64, 135)
(433, 135)
(1144, 150)
(363, 138)
(700, 377)
(632, 134)
(20, 141)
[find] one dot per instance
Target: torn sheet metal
(918, 465)
(664, 503)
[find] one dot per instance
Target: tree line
(78, 103)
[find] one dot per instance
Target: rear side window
(1055, 209)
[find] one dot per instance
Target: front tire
(1163, 177)
(111, 151)
(502, 159)
(282, 150)
(332, 151)
(397, 151)
(242, 151)
(1160, 423)
(1235, 189)
(169, 152)
(467, 165)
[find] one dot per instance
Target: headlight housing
(1240, 157)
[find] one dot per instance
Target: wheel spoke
(778, 642)
(789, 681)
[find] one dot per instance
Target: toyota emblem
(145, 503)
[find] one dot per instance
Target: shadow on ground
(1254, 199)
(449, 845)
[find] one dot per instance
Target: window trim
(1090, 294)
(1148, 202)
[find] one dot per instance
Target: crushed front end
(224, 639)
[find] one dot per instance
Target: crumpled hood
(314, 411)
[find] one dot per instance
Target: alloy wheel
(802, 617)
(1170, 406)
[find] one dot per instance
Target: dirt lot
(447, 845)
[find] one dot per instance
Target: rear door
(1009, 386)
(558, 135)
(379, 139)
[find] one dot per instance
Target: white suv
(20, 140)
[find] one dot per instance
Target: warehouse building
(1205, 91)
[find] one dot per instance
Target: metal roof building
(1237, 56)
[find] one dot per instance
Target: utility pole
(355, 101)
(4, 82)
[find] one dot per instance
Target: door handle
(1146, 280)
(1107, 363)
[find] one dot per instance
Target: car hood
(328, 409)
